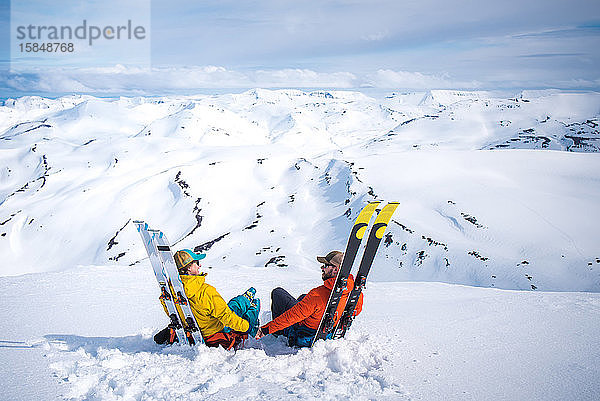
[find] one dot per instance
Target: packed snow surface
(485, 286)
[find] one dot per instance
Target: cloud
(545, 55)
(304, 78)
(122, 80)
(376, 36)
(417, 80)
(134, 80)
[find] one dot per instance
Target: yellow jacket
(209, 307)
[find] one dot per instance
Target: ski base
(182, 321)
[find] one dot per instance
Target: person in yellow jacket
(212, 313)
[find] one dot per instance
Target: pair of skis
(183, 324)
(328, 327)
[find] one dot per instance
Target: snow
(485, 287)
(83, 340)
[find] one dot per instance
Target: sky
(344, 44)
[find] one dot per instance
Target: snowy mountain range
(494, 192)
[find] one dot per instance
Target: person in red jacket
(298, 319)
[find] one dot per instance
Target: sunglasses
(328, 265)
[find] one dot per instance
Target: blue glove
(248, 308)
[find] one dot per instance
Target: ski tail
(375, 237)
(356, 235)
(362, 222)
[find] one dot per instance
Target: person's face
(329, 270)
(194, 268)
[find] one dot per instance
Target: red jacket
(310, 310)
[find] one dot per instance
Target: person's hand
(259, 334)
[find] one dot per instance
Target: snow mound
(135, 368)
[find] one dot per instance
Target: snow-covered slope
(87, 333)
(275, 177)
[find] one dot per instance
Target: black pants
(281, 301)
